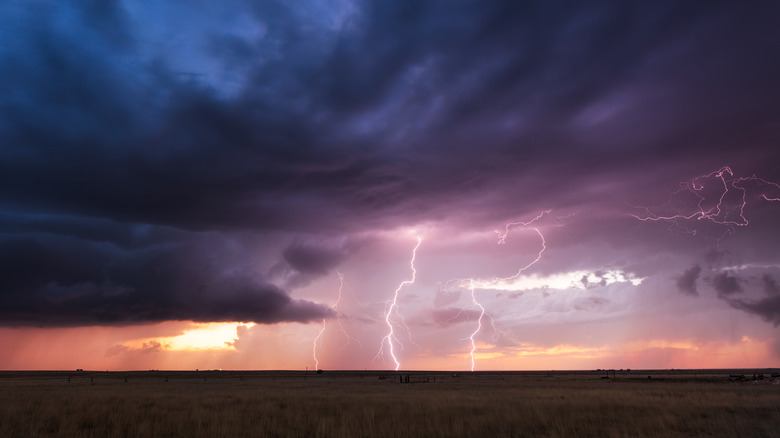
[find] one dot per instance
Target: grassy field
(377, 404)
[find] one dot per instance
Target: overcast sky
(591, 185)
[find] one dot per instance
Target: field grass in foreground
(376, 404)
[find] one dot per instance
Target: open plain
(390, 404)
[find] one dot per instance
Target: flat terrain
(377, 404)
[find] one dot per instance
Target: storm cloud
(686, 282)
(137, 138)
(53, 281)
(726, 284)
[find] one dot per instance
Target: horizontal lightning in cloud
(719, 198)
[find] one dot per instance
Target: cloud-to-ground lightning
(393, 310)
(721, 199)
(335, 307)
(472, 284)
(318, 341)
(320, 334)
(479, 322)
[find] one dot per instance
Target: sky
(433, 185)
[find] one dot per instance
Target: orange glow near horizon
(187, 345)
(203, 336)
(649, 354)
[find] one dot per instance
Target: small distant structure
(607, 373)
(736, 377)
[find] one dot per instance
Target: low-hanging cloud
(65, 282)
(686, 282)
(770, 285)
(767, 308)
(726, 283)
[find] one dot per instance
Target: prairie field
(384, 404)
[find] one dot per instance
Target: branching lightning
(393, 310)
(502, 240)
(344, 331)
(721, 200)
(318, 339)
(472, 284)
(479, 322)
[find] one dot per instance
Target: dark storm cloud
(359, 124)
(686, 282)
(58, 281)
(304, 261)
(313, 259)
(767, 308)
(726, 284)
(770, 285)
(120, 120)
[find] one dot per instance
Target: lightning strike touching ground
(473, 284)
(319, 337)
(479, 323)
(335, 307)
(720, 199)
(393, 309)
(318, 341)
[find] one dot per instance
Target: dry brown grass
(231, 404)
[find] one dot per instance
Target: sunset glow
(202, 336)
(389, 185)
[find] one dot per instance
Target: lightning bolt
(720, 207)
(393, 308)
(502, 240)
(318, 341)
(320, 334)
(479, 323)
(335, 307)
(472, 284)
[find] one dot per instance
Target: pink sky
(242, 185)
(598, 313)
